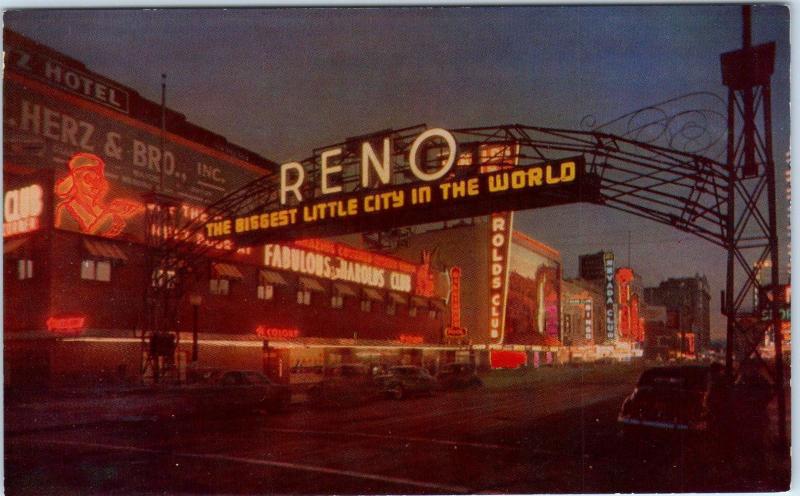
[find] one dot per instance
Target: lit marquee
(22, 209)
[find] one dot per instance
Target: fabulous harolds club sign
(447, 192)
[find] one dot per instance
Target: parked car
(343, 384)
(674, 398)
(237, 391)
(458, 376)
(404, 380)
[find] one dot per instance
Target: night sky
(284, 81)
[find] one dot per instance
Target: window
(163, 278)
(412, 311)
(265, 292)
(96, 270)
(304, 297)
(219, 287)
(391, 308)
(366, 305)
(24, 269)
(337, 301)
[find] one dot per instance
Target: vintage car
(673, 397)
(458, 376)
(216, 392)
(343, 384)
(405, 380)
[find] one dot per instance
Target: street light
(195, 300)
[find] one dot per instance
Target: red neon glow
(424, 277)
(277, 332)
(66, 324)
(410, 339)
(21, 210)
(82, 192)
(455, 332)
(455, 297)
(502, 359)
(630, 325)
(355, 255)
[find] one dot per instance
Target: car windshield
(692, 378)
(256, 378)
(407, 371)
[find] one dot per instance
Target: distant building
(687, 301)
(592, 267)
(582, 313)
(661, 341)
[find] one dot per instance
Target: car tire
(397, 392)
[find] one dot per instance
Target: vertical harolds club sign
(438, 193)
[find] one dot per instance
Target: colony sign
(440, 194)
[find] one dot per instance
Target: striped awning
(419, 302)
(373, 294)
(344, 289)
(398, 298)
(227, 271)
(12, 245)
(311, 284)
(269, 277)
(104, 249)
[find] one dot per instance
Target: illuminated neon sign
(472, 193)
(410, 339)
(285, 257)
(82, 202)
(499, 252)
(293, 173)
(455, 329)
(22, 209)
(66, 325)
(608, 262)
(277, 332)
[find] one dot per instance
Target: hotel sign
(67, 78)
(445, 193)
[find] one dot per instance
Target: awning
(372, 294)
(104, 249)
(398, 298)
(438, 304)
(344, 289)
(311, 284)
(270, 277)
(227, 271)
(419, 302)
(13, 244)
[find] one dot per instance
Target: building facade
(583, 316)
(82, 155)
(687, 301)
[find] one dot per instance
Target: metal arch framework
(687, 191)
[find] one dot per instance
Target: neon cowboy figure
(81, 195)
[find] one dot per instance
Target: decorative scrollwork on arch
(692, 123)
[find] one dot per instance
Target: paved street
(537, 437)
